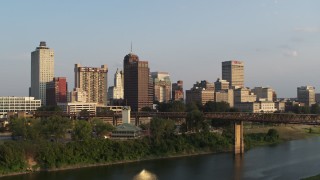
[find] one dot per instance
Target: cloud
(291, 53)
(307, 29)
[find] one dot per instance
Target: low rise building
(221, 85)
(177, 91)
(77, 107)
(126, 131)
(199, 95)
(200, 92)
(18, 104)
(78, 95)
(317, 95)
(280, 106)
(244, 95)
(263, 93)
(224, 96)
(256, 107)
(161, 86)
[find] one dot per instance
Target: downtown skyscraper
(94, 81)
(161, 86)
(138, 89)
(57, 91)
(116, 91)
(42, 71)
(233, 72)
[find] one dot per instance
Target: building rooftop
(127, 127)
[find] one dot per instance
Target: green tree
(82, 130)
(211, 106)
(101, 128)
(195, 120)
(195, 105)
(55, 127)
(27, 129)
(34, 128)
(18, 127)
(306, 109)
(301, 109)
(50, 108)
(84, 113)
(12, 157)
(173, 106)
(272, 135)
(161, 129)
(177, 106)
(315, 109)
(147, 109)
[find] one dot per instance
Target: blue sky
(279, 40)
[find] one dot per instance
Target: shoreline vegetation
(316, 177)
(56, 156)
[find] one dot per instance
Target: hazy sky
(279, 40)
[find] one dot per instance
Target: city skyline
(277, 40)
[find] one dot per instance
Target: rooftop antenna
(131, 46)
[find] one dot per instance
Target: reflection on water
(145, 175)
(238, 166)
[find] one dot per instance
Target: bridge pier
(238, 138)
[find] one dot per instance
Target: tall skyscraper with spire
(42, 71)
(138, 90)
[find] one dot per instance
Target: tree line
(44, 141)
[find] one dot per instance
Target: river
(289, 160)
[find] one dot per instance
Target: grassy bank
(286, 132)
(255, 134)
(317, 177)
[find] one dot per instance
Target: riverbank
(289, 132)
(286, 132)
(22, 156)
(80, 166)
(316, 177)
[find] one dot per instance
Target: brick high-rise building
(233, 72)
(177, 91)
(56, 91)
(161, 86)
(94, 81)
(137, 83)
(42, 71)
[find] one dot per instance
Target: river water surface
(289, 160)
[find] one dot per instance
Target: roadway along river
(290, 160)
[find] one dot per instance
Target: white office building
(18, 104)
(116, 91)
(42, 71)
(77, 107)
